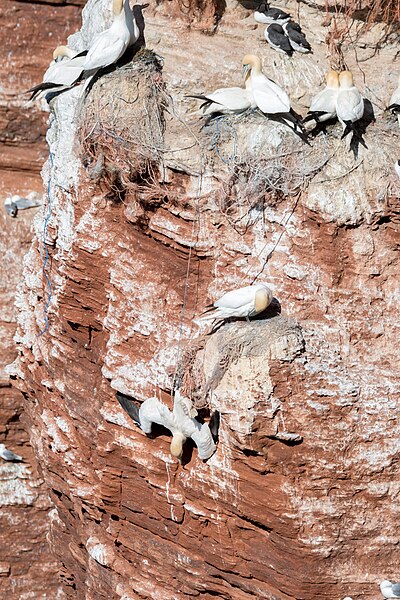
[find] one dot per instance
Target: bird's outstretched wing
(129, 406)
(204, 440)
(154, 411)
(10, 456)
(214, 425)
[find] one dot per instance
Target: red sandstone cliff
(299, 500)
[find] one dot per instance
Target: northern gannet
(296, 37)
(271, 99)
(8, 455)
(111, 44)
(276, 38)
(349, 103)
(389, 589)
(65, 70)
(265, 14)
(241, 303)
(181, 422)
(226, 100)
(323, 105)
(394, 105)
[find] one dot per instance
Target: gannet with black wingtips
(323, 105)
(394, 105)
(269, 97)
(389, 589)
(108, 47)
(181, 422)
(276, 38)
(244, 302)
(64, 71)
(349, 103)
(296, 37)
(9, 456)
(266, 14)
(226, 100)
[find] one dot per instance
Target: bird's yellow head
(62, 52)
(263, 298)
(118, 5)
(346, 79)
(332, 79)
(251, 62)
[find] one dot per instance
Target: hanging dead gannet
(8, 455)
(271, 99)
(226, 101)
(389, 589)
(323, 105)
(276, 38)
(181, 422)
(394, 105)
(64, 71)
(244, 302)
(267, 14)
(349, 103)
(296, 37)
(110, 45)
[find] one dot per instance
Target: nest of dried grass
(122, 124)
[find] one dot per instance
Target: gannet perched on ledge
(323, 105)
(349, 103)
(110, 45)
(394, 105)
(242, 303)
(8, 455)
(65, 70)
(389, 589)
(226, 100)
(271, 99)
(181, 422)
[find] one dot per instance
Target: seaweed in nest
(122, 125)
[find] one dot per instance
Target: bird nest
(122, 123)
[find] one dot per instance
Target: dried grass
(122, 125)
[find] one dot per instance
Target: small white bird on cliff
(323, 105)
(8, 455)
(271, 99)
(389, 589)
(108, 47)
(64, 71)
(181, 422)
(244, 302)
(394, 105)
(349, 103)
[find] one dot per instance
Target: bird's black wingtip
(214, 424)
(129, 406)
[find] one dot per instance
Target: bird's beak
(145, 6)
(245, 70)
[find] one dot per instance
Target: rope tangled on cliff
(46, 252)
(232, 156)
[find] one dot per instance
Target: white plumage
(181, 422)
(265, 14)
(269, 97)
(323, 105)
(349, 102)
(241, 303)
(110, 45)
(226, 100)
(397, 167)
(64, 71)
(8, 455)
(389, 589)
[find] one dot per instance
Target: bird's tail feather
(214, 425)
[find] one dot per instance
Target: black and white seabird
(296, 37)
(266, 14)
(276, 38)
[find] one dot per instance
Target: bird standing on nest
(181, 422)
(244, 302)
(108, 47)
(271, 99)
(323, 105)
(64, 71)
(224, 101)
(349, 104)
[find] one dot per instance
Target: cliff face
(149, 217)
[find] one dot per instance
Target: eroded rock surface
(153, 215)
